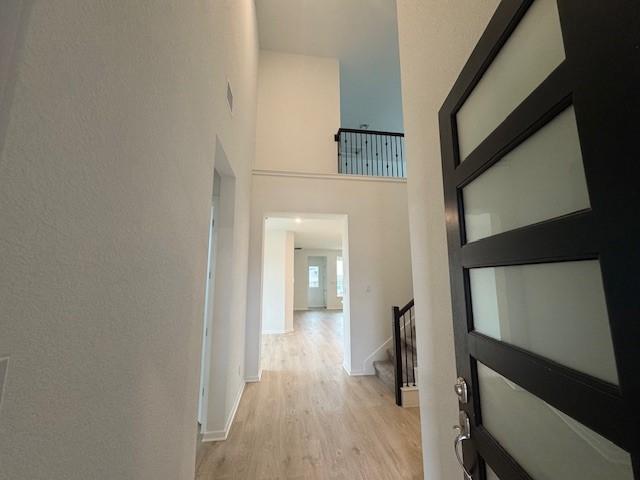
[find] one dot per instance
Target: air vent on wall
(229, 97)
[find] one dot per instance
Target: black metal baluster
(394, 167)
(386, 153)
(354, 157)
(397, 364)
(367, 141)
(389, 144)
(360, 155)
(354, 162)
(406, 357)
(381, 157)
(413, 347)
(381, 165)
(375, 155)
(371, 137)
(390, 140)
(395, 144)
(402, 156)
(346, 152)
(347, 146)
(362, 147)
(399, 166)
(355, 153)
(352, 148)
(339, 156)
(377, 168)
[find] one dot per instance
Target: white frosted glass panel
(541, 179)
(491, 475)
(556, 310)
(548, 444)
(531, 53)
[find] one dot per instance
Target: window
(314, 276)
(339, 277)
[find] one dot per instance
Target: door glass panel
(556, 310)
(530, 54)
(540, 179)
(314, 276)
(548, 444)
(491, 475)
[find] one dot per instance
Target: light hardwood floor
(307, 419)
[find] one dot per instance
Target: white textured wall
(378, 251)
(289, 266)
(298, 113)
(274, 281)
(105, 188)
(436, 38)
(301, 287)
(11, 25)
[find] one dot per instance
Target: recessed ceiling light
(298, 220)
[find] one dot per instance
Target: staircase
(385, 368)
(398, 370)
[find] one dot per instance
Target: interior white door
(206, 329)
(317, 275)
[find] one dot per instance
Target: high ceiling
(317, 232)
(362, 34)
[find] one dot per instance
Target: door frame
(596, 78)
(205, 359)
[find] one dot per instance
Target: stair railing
(370, 153)
(404, 347)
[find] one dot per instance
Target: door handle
(464, 433)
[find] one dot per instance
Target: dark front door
(541, 151)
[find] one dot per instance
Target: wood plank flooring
(307, 419)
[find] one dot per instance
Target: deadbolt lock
(461, 390)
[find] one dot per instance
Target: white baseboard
(356, 373)
(218, 435)
(276, 332)
(254, 378)
(333, 308)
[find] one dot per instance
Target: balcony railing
(371, 153)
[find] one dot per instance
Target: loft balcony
(371, 153)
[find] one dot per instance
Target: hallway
(308, 419)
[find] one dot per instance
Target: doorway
(219, 287)
(208, 299)
(305, 266)
(542, 246)
(317, 284)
